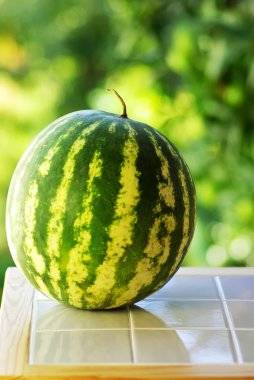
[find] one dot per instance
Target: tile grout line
(173, 328)
(84, 329)
(237, 349)
(195, 299)
(132, 338)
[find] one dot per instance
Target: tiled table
(201, 323)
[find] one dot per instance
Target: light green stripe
(156, 247)
(31, 204)
(166, 190)
(45, 165)
(58, 208)
(112, 127)
(171, 149)
(76, 269)
(16, 183)
(37, 265)
(120, 231)
(186, 221)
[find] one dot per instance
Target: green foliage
(185, 67)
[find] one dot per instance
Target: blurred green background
(184, 67)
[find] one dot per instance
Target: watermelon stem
(124, 114)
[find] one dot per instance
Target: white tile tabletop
(193, 319)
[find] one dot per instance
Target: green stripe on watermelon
(105, 204)
(121, 229)
(46, 192)
(75, 233)
(31, 157)
(176, 231)
(159, 230)
(127, 265)
(167, 272)
(102, 207)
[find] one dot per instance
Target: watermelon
(100, 210)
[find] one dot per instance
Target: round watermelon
(100, 210)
